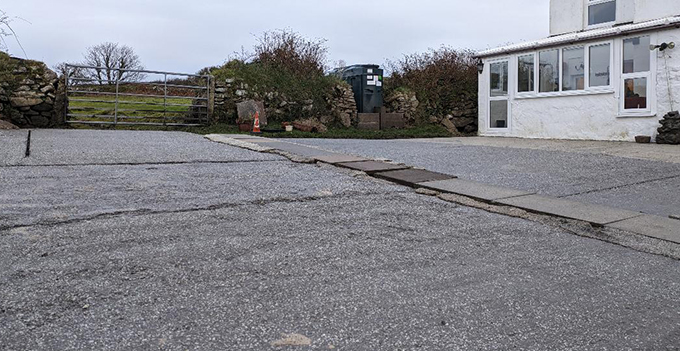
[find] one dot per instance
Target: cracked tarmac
(560, 169)
(153, 240)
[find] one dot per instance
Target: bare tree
(6, 30)
(63, 68)
(112, 60)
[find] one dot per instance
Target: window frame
(651, 93)
(588, 4)
(588, 90)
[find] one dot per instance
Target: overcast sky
(187, 35)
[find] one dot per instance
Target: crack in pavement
(139, 163)
(620, 186)
(147, 211)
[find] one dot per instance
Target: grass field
(130, 109)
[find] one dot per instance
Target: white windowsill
(645, 114)
(564, 93)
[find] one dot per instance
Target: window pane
(549, 71)
(525, 79)
(499, 114)
(599, 65)
(636, 93)
(602, 13)
(573, 66)
(499, 78)
(636, 55)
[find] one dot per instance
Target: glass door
(498, 95)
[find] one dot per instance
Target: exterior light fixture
(662, 46)
(480, 66)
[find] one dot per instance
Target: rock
(7, 125)
(24, 101)
(40, 121)
(669, 132)
(345, 119)
(44, 107)
(462, 122)
(47, 89)
(246, 111)
(310, 125)
(449, 126)
(403, 101)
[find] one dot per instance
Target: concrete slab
(244, 136)
(653, 226)
(369, 121)
(296, 149)
(594, 214)
(475, 190)
(339, 158)
(371, 166)
(411, 177)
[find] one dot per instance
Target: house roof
(583, 36)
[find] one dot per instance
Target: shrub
(440, 78)
(290, 51)
(286, 65)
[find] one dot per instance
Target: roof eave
(583, 36)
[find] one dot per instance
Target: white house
(599, 76)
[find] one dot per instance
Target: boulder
(7, 125)
(309, 125)
(246, 112)
(18, 101)
(669, 132)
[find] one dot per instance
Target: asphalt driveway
(631, 178)
(149, 240)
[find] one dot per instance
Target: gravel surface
(231, 255)
(580, 176)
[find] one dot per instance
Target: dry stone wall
(341, 107)
(28, 93)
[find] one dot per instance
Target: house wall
(592, 116)
(568, 16)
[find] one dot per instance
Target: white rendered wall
(589, 117)
(646, 10)
(568, 16)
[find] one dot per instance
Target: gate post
(211, 100)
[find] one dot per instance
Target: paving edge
(614, 225)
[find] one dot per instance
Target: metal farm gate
(102, 96)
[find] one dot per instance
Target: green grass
(154, 112)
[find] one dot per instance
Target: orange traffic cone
(256, 124)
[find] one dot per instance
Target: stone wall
(463, 117)
(341, 107)
(403, 101)
(28, 93)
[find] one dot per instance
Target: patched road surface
(115, 240)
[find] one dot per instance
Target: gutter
(584, 36)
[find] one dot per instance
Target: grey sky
(188, 35)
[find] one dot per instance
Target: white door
(498, 115)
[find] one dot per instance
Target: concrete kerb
(602, 217)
